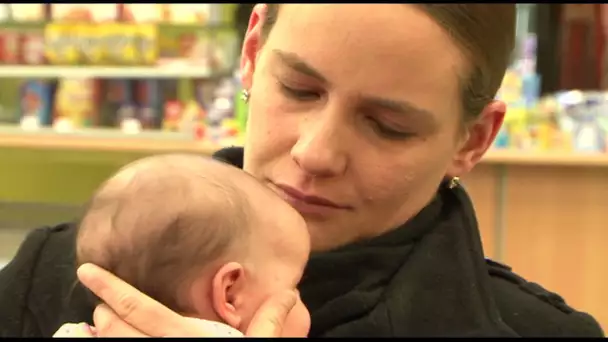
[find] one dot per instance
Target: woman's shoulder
(533, 311)
(37, 282)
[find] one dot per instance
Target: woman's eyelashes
(298, 93)
(306, 95)
(388, 132)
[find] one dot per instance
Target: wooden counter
(547, 217)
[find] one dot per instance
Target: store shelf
(103, 140)
(181, 71)
(515, 157)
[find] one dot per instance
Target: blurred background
(86, 88)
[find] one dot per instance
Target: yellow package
(91, 46)
(147, 46)
(52, 37)
(114, 42)
(129, 50)
(104, 33)
(61, 46)
(72, 52)
(74, 102)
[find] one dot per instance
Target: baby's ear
(228, 291)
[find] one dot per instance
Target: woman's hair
(484, 32)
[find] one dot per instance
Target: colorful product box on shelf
(21, 43)
(130, 44)
(203, 91)
(32, 47)
(89, 43)
(101, 44)
(589, 134)
(76, 103)
(193, 119)
(530, 90)
(537, 129)
(225, 50)
(208, 48)
(9, 45)
(567, 121)
(552, 137)
(172, 116)
(149, 99)
(115, 96)
(115, 43)
(37, 102)
(60, 44)
(523, 128)
(173, 103)
(184, 46)
(221, 122)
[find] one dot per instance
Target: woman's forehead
(364, 24)
(376, 50)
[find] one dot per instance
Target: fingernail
(84, 271)
(86, 328)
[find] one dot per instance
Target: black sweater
(426, 278)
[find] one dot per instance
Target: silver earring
(245, 95)
(454, 182)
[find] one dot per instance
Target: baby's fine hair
(160, 220)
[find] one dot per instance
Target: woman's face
(355, 115)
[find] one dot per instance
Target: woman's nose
(321, 150)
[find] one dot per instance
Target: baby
(201, 237)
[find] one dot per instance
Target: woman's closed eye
(388, 132)
(299, 94)
(302, 94)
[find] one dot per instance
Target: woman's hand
(75, 330)
(129, 313)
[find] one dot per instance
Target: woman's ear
(252, 44)
(478, 139)
(227, 289)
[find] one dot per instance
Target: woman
(362, 117)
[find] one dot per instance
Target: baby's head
(202, 237)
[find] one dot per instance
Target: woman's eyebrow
(298, 64)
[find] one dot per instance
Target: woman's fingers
(270, 317)
(75, 330)
(130, 305)
(129, 313)
(108, 324)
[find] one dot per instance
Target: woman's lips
(308, 203)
